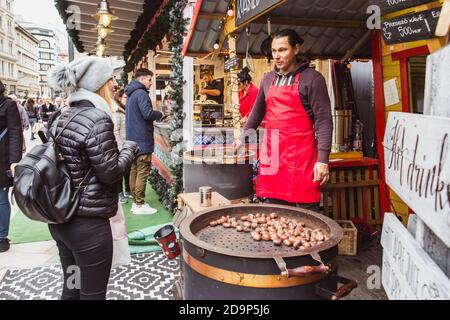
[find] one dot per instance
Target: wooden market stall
(399, 56)
(336, 41)
(413, 63)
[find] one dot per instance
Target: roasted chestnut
(266, 236)
(254, 225)
(239, 228)
(244, 218)
(287, 243)
(273, 215)
(256, 236)
(277, 241)
(226, 225)
(213, 223)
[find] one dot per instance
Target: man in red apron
(294, 99)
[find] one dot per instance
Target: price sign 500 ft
(411, 27)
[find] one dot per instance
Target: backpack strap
(53, 134)
(3, 134)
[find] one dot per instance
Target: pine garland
(177, 31)
(62, 7)
(169, 194)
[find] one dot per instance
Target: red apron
(287, 172)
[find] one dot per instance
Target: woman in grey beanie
(90, 150)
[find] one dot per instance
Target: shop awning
(128, 12)
(330, 28)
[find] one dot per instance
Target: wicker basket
(349, 243)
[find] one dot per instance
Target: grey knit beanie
(87, 73)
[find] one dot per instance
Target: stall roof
(127, 11)
(329, 27)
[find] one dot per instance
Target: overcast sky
(41, 12)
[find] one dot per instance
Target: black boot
(4, 245)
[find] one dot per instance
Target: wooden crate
(349, 244)
(353, 191)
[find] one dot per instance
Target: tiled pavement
(28, 255)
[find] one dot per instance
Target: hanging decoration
(151, 28)
(104, 14)
(169, 193)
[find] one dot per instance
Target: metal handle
(303, 271)
(345, 290)
(341, 292)
(306, 271)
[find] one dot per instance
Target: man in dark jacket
(11, 142)
(139, 128)
(47, 110)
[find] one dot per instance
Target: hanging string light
(102, 31)
(100, 47)
(104, 14)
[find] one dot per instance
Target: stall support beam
(380, 117)
(404, 82)
(188, 107)
(234, 89)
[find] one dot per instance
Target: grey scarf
(95, 99)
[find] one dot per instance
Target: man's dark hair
(292, 35)
(2, 88)
(142, 73)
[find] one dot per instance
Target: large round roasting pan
(220, 263)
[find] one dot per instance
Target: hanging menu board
(248, 10)
(411, 27)
(231, 63)
(388, 6)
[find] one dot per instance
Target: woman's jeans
(32, 123)
(86, 252)
(5, 213)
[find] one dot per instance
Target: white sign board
(391, 96)
(417, 164)
(437, 84)
(408, 272)
(431, 244)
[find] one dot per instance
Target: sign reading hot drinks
(417, 162)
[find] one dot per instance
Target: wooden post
(380, 116)
(234, 102)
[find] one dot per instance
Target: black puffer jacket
(12, 143)
(88, 141)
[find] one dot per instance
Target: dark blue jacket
(139, 117)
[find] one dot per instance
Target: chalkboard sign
(388, 6)
(248, 10)
(231, 63)
(411, 27)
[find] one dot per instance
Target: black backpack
(43, 188)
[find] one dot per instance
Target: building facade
(8, 60)
(47, 54)
(27, 63)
